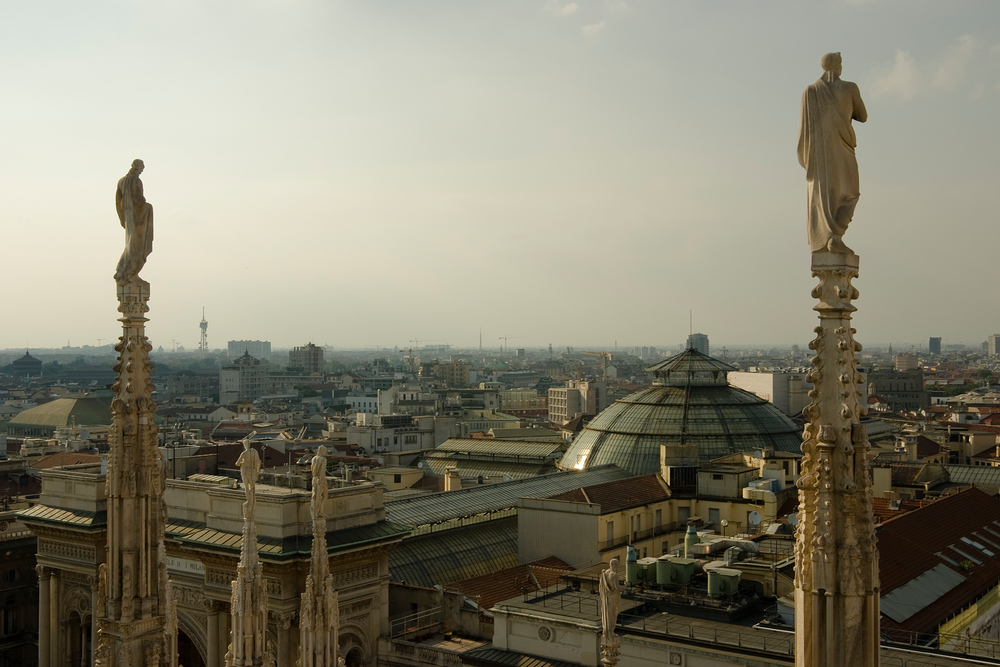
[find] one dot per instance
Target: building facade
(309, 358)
(202, 551)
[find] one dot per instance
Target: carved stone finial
(836, 563)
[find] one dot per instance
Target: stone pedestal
(133, 589)
(836, 562)
(610, 648)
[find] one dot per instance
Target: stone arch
(354, 637)
(195, 632)
(76, 600)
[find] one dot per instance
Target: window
(658, 518)
(713, 515)
(683, 514)
(717, 477)
(610, 531)
(397, 479)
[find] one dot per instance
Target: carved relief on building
(189, 597)
(341, 577)
(67, 551)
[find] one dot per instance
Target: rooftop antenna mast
(203, 344)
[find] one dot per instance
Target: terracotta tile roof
(513, 581)
(992, 418)
(65, 459)
(883, 511)
(927, 447)
(905, 474)
(912, 544)
(620, 494)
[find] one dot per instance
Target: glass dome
(691, 402)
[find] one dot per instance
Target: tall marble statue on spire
(247, 647)
(319, 614)
(133, 601)
(836, 560)
(826, 150)
(136, 217)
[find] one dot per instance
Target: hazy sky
(362, 173)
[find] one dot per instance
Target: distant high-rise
(699, 342)
(993, 345)
(260, 349)
(934, 345)
(308, 357)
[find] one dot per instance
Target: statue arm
(860, 113)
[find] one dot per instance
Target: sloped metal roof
(488, 656)
(198, 535)
(80, 518)
(525, 448)
(690, 361)
(915, 595)
(449, 505)
(454, 555)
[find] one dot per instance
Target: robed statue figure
(136, 216)
(826, 150)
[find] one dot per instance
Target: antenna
(690, 321)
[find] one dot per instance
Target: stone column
(44, 629)
(836, 562)
(54, 619)
(213, 634)
(283, 622)
(223, 645)
(83, 645)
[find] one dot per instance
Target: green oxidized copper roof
(86, 411)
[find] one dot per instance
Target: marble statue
(136, 217)
(249, 465)
(611, 598)
(826, 150)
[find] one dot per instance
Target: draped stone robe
(826, 150)
(136, 217)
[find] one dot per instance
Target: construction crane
(607, 359)
(504, 348)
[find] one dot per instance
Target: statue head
(613, 564)
(137, 166)
(832, 62)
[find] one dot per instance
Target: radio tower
(203, 345)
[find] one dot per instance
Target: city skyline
(365, 174)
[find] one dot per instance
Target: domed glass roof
(691, 402)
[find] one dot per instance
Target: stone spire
(836, 562)
(319, 614)
(249, 598)
(133, 591)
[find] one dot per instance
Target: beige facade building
(309, 358)
(577, 398)
(202, 550)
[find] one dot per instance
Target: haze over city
(575, 173)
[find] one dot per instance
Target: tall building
(906, 362)
(309, 358)
(698, 341)
(245, 379)
(260, 349)
(903, 390)
(934, 345)
(993, 345)
(575, 399)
